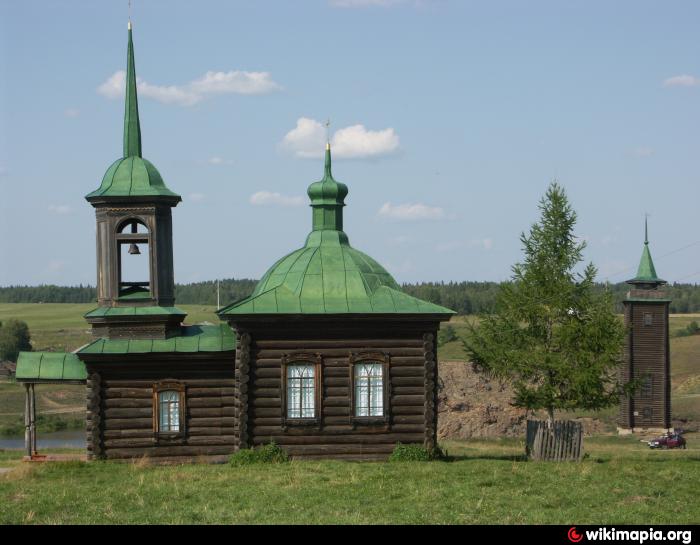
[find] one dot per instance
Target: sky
(449, 119)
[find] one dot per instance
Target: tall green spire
(131, 175)
(132, 127)
(327, 199)
(646, 272)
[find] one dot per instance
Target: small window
(169, 409)
(369, 389)
(648, 320)
(301, 391)
(646, 413)
(647, 389)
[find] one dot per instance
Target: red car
(670, 440)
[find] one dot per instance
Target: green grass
(620, 482)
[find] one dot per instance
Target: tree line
(463, 297)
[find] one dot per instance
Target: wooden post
(33, 418)
(27, 422)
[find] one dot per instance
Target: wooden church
(328, 357)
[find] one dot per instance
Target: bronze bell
(134, 250)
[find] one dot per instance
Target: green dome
(327, 275)
(132, 177)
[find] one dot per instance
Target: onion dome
(327, 275)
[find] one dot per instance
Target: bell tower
(647, 356)
(133, 208)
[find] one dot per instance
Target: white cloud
(71, 112)
(684, 80)
(219, 161)
(60, 208)
(235, 81)
(211, 83)
(411, 212)
(265, 198)
(353, 142)
(197, 197)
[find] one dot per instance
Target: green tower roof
(646, 273)
(132, 175)
(327, 275)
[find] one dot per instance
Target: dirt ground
(470, 405)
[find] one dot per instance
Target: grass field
(620, 481)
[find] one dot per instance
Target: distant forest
(464, 297)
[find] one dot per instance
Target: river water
(56, 439)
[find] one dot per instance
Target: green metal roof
(49, 366)
(327, 275)
(195, 338)
(134, 311)
(646, 272)
(132, 175)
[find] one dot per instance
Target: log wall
(647, 353)
(121, 413)
(412, 415)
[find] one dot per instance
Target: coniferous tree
(554, 336)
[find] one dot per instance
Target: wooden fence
(560, 441)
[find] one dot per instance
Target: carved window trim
(169, 386)
(304, 358)
(371, 357)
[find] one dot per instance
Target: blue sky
(449, 119)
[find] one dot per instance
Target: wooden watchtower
(647, 356)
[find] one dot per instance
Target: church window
(369, 389)
(301, 391)
(169, 408)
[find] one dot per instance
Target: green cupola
(327, 199)
(646, 272)
(132, 175)
(327, 275)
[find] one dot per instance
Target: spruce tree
(553, 336)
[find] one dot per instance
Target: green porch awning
(50, 367)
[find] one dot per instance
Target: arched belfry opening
(134, 259)
(133, 208)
